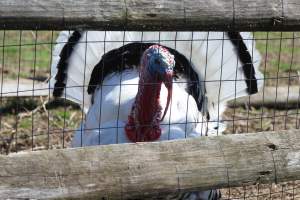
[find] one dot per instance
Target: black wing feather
(129, 55)
(62, 65)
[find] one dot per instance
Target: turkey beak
(168, 83)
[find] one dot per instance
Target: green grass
(29, 50)
(63, 114)
(22, 132)
(26, 123)
(34, 56)
(279, 51)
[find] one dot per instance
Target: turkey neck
(147, 106)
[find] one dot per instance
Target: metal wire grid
(33, 123)
(17, 65)
(288, 190)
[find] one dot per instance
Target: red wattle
(143, 134)
(146, 113)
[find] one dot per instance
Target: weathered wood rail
(147, 169)
(24, 88)
(245, 15)
(281, 97)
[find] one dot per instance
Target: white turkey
(106, 73)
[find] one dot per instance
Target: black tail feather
(129, 55)
(62, 65)
(246, 59)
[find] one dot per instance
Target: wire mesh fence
(32, 120)
(289, 190)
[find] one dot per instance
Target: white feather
(212, 54)
(108, 115)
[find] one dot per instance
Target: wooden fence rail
(245, 15)
(282, 97)
(148, 169)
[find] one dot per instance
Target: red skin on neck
(143, 122)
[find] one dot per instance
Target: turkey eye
(157, 61)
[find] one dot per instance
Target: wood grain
(159, 15)
(282, 97)
(149, 169)
(23, 88)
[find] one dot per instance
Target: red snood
(143, 122)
